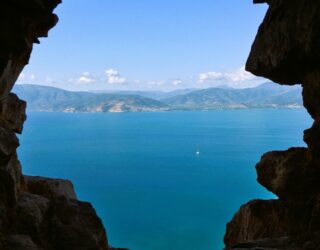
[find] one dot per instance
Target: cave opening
(157, 179)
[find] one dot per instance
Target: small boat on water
(197, 152)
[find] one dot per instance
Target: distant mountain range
(157, 95)
(50, 99)
(267, 95)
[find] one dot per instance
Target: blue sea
(144, 177)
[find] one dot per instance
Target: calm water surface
(142, 173)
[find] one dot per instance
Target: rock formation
(44, 214)
(287, 51)
(35, 213)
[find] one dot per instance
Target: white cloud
(21, 78)
(113, 77)
(48, 80)
(152, 85)
(85, 78)
(240, 75)
(29, 78)
(238, 78)
(177, 82)
(210, 76)
(156, 83)
(26, 78)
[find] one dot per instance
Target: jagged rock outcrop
(286, 50)
(35, 213)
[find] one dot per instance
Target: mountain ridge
(52, 99)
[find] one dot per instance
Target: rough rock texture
(35, 213)
(50, 188)
(286, 50)
(287, 47)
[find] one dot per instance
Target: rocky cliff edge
(287, 51)
(35, 213)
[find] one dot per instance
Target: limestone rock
(36, 213)
(286, 50)
(21, 23)
(311, 93)
(50, 188)
(306, 241)
(8, 142)
(257, 220)
(12, 113)
(10, 179)
(287, 45)
(311, 137)
(75, 226)
(281, 171)
(21, 242)
(31, 211)
(282, 243)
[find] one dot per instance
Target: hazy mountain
(157, 95)
(263, 96)
(43, 98)
(269, 95)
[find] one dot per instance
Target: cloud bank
(112, 79)
(239, 78)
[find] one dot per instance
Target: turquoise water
(142, 173)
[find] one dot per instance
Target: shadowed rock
(21, 242)
(12, 113)
(50, 188)
(286, 50)
(257, 219)
(287, 46)
(36, 213)
(280, 172)
(75, 226)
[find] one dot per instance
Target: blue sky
(147, 45)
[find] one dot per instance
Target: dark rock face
(286, 50)
(287, 46)
(35, 213)
(280, 172)
(75, 225)
(50, 188)
(258, 219)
